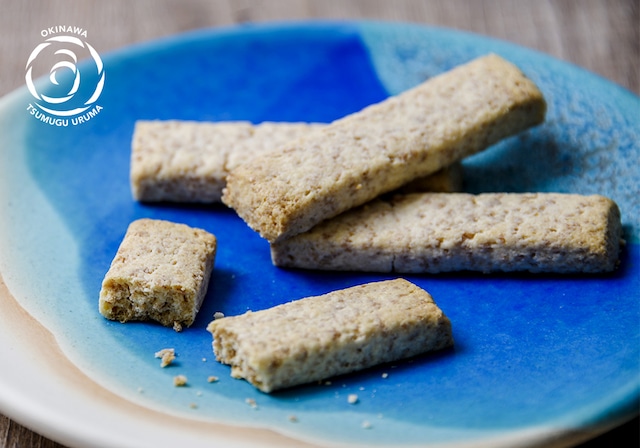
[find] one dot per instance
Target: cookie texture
(382, 147)
(188, 161)
(160, 272)
(443, 232)
(319, 337)
(449, 179)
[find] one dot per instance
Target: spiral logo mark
(65, 77)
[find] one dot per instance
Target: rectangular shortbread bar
(160, 272)
(382, 147)
(187, 161)
(319, 337)
(440, 232)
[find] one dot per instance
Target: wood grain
(602, 36)
(599, 35)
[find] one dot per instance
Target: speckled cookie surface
(336, 333)
(188, 161)
(384, 146)
(160, 272)
(433, 233)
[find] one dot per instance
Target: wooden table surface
(602, 36)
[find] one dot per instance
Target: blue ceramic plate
(538, 358)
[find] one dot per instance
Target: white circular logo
(63, 95)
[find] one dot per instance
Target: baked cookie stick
(332, 334)
(160, 272)
(186, 161)
(441, 232)
(382, 147)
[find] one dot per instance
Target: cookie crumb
(218, 315)
(179, 380)
(352, 398)
(167, 356)
(251, 402)
(213, 379)
(385, 375)
(177, 326)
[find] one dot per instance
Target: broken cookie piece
(319, 337)
(160, 272)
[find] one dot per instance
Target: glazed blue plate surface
(535, 356)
